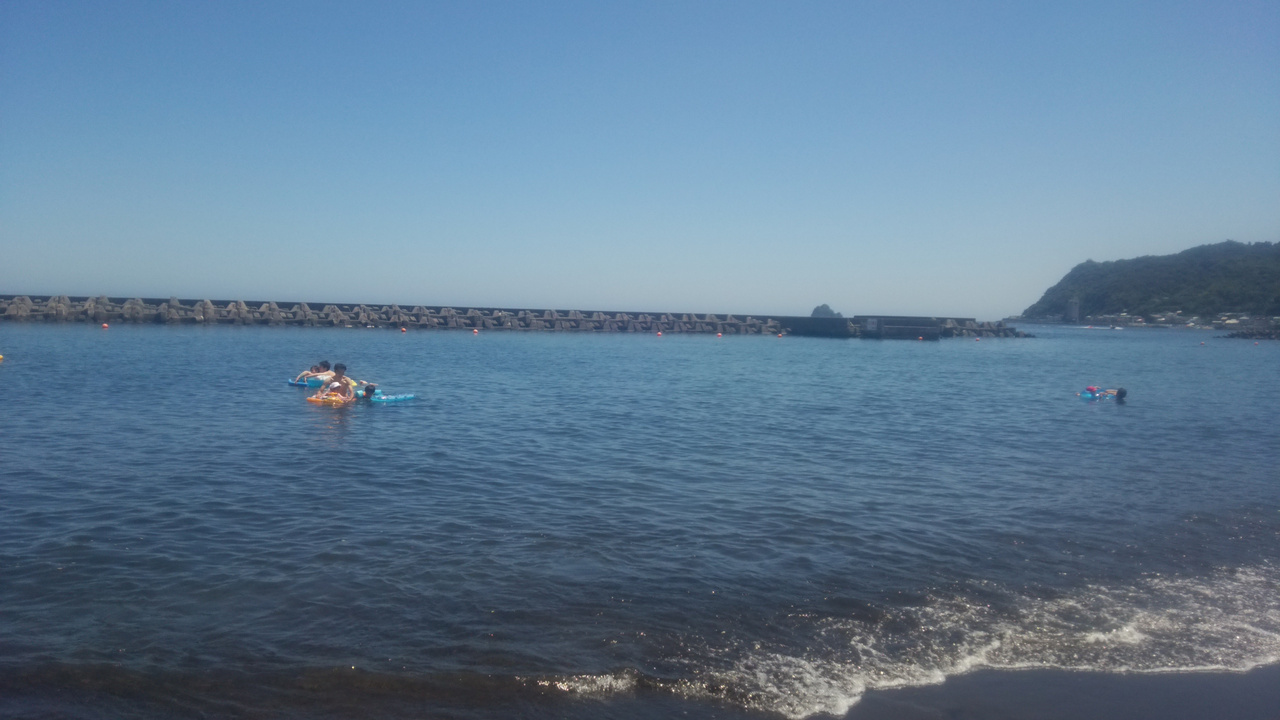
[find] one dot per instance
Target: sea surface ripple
(758, 524)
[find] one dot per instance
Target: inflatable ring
(329, 399)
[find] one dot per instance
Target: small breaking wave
(1229, 621)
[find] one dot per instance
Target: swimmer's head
(1121, 393)
(340, 369)
(369, 390)
(324, 364)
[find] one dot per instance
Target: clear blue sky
(948, 158)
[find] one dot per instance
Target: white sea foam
(1229, 621)
(593, 685)
(1127, 635)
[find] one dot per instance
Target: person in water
(314, 371)
(1118, 394)
(369, 391)
(1096, 393)
(339, 385)
(321, 371)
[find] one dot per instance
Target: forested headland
(1225, 277)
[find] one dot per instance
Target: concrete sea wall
(63, 308)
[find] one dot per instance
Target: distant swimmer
(1093, 392)
(369, 391)
(321, 371)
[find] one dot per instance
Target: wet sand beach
(1066, 695)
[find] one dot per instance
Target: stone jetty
(63, 308)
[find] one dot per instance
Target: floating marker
(779, 334)
(722, 335)
(920, 338)
(476, 331)
(659, 333)
(403, 330)
(104, 327)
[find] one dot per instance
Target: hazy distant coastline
(1226, 280)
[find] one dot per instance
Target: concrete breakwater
(63, 308)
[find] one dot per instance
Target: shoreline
(1051, 694)
(97, 690)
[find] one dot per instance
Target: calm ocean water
(619, 526)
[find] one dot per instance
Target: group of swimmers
(336, 384)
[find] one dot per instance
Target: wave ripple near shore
(764, 526)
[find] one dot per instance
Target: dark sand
(102, 694)
(1062, 695)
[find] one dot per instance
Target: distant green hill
(1224, 277)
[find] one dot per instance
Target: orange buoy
(659, 333)
(722, 335)
(104, 327)
(475, 331)
(779, 334)
(920, 338)
(403, 330)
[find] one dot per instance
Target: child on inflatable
(338, 387)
